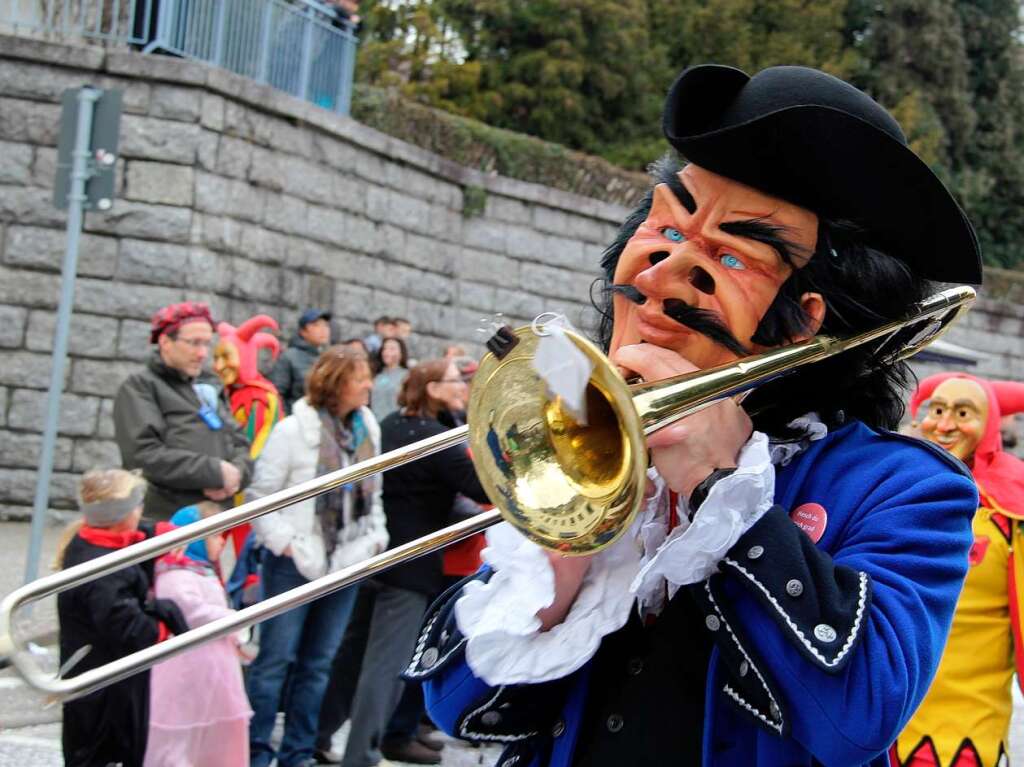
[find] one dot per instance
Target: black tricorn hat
(818, 142)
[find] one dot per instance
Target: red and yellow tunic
(256, 407)
(965, 718)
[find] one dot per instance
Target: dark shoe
(410, 751)
(429, 739)
(326, 757)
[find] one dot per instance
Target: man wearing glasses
(173, 426)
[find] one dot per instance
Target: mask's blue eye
(729, 261)
(671, 233)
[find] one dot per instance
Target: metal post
(164, 14)
(306, 63)
(343, 104)
(87, 98)
(266, 22)
(218, 31)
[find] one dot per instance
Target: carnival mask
(957, 417)
(226, 363)
(703, 268)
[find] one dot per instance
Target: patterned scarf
(341, 445)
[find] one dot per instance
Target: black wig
(862, 288)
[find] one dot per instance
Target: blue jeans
(306, 638)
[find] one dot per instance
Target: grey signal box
(103, 146)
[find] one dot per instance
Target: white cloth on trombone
(646, 566)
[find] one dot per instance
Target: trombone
(569, 486)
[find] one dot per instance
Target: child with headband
(106, 619)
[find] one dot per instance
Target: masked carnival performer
(255, 404)
(965, 717)
(784, 595)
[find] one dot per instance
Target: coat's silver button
(429, 657)
(744, 668)
(614, 723)
(755, 552)
(794, 588)
(774, 711)
(558, 729)
(712, 623)
(635, 666)
(490, 718)
(825, 633)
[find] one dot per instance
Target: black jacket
(418, 497)
(289, 373)
(158, 429)
(109, 615)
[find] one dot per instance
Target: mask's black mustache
(704, 322)
(630, 292)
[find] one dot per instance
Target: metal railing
(301, 47)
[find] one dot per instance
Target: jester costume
(965, 717)
(254, 401)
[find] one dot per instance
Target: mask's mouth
(702, 321)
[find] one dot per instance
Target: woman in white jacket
(329, 429)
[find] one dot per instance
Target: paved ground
(30, 731)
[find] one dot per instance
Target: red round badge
(811, 518)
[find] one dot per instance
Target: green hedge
(493, 150)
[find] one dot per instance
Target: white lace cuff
(499, 618)
(693, 550)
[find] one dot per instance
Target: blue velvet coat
(829, 675)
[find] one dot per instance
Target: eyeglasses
(195, 343)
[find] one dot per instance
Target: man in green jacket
(175, 427)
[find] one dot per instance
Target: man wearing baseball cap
(289, 374)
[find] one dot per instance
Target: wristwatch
(700, 493)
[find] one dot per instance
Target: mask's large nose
(676, 274)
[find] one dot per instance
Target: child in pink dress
(199, 713)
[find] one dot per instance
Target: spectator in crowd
(199, 714)
(383, 327)
(402, 328)
(346, 11)
(289, 374)
(329, 429)
(173, 425)
(107, 618)
(392, 364)
(417, 498)
(358, 346)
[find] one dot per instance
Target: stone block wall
(235, 194)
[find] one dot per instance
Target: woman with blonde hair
(329, 429)
(106, 619)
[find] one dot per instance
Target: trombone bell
(567, 486)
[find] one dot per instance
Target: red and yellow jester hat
(1000, 475)
(247, 340)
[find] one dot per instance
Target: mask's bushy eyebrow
(769, 234)
(666, 175)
